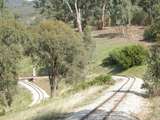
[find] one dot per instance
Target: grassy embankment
(154, 114)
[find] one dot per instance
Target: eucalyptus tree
(121, 11)
(2, 5)
(60, 50)
(151, 7)
(69, 10)
(152, 76)
(13, 36)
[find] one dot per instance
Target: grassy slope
(21, 100)
(106, 41)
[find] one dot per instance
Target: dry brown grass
(154, 113)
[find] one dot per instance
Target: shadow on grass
(109, 35)
(144, 95)
(114, 69)
(100, 114)
(51, 116)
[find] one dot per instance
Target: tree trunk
(109, 21)
(53, 74)
(103, 15)
(53, 85)
(69, 6)
(78, 17)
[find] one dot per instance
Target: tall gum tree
(80, 11)
(60, 50)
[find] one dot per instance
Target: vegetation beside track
(76, 96)
(20, 101)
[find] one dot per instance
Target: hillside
(24, 9)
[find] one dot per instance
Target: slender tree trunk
(109, 21)
(53, 77)
(53, 84)
(78, 17)
(5, 101)
(103, 15)
(69, 6)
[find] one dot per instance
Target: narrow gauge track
(38, 91)
(38, 94)
(107, 114)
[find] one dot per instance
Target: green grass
(21, 100)
(137, 71)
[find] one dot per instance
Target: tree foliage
(151, 7)
(74, 11)
(151, 33)
(60, 50)
(121, 11)
(152, 76)
(12, 38)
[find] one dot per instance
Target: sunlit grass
(155, 109)
(21, 100)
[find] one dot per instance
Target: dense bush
(152, 76)
(101, 80)
(139, 17)
(151, 33)
(128, 56)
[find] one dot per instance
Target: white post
(34, 72)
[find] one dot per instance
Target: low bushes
(100, 80)
(128, 56)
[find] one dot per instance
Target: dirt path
(38, 94)
(127, 109)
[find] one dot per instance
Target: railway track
(105, 109)
(39, 95)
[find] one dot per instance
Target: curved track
(38, 95)
(105, 109)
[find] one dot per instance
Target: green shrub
(151, 33)
(2, 111)
(100, 80)
(128, 56)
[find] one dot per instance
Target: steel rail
(108, 99)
